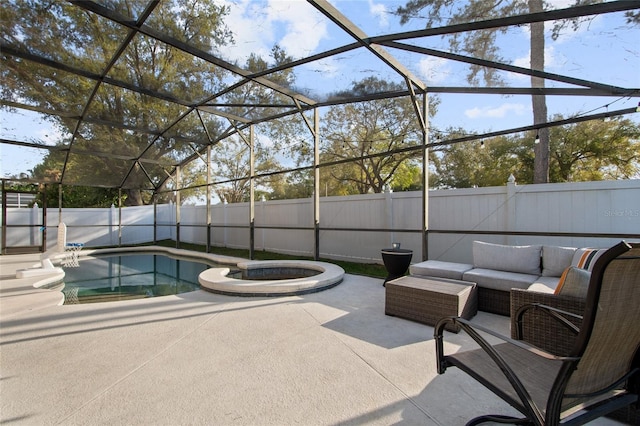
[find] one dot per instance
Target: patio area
(327, 358)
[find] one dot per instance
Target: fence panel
(357, 227)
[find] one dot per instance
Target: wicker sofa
(497, 269)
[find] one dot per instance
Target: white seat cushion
(540, 288)
(437, 268)
(499, 280)
(545, 284)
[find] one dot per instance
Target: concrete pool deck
(326, 358)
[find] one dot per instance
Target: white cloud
(433, 70)
(551, 60)
(259, 25)
(304, 29)
(379, 11)
(496, 112)
(244, 25)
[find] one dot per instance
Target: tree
(482, 43)
(68, 35)
(585, 151)
(595, 150)
(72, 196)
(231, 160)
(297, 184)
(358, 131)
(232, 164)
(231, 167)
(482, 163)
(80, 197)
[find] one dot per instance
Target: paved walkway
(328, 358)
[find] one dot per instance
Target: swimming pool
(130, 276)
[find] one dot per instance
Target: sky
(602, 50)
(612, 58)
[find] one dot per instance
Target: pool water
(130, 276)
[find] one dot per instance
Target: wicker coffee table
(427, 300)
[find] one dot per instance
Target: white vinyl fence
(594, 214)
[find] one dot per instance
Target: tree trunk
(134, 197)
(539, 102)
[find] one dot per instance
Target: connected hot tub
(272, 278)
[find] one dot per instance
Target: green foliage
(231, 157)
(482, 44)
(67, 35)
(407, 177)
(359, 132)
(586, 151)
(231, 170)
(297, 184)
(79, 197)
(595, 150)
(478, 163)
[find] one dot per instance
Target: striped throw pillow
(576, 282)
(583, 258)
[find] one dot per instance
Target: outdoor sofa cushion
(556, 259)
(437, 268)
(521, 259)
(582, 258)
(545, 284)
(499, 280)
(540, 288)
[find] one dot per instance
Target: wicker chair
(599, 375)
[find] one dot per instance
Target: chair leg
(497, 418)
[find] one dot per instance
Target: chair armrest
(539, 327)
(562, 317)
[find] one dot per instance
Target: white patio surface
(327, 358)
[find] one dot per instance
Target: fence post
(510, 205)
(155, 219)
(224, 221)
(388, 212)
(119, 217)
(172, 221)
(112, 215)
(263, 215)
(178, 195)
(35, 230)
